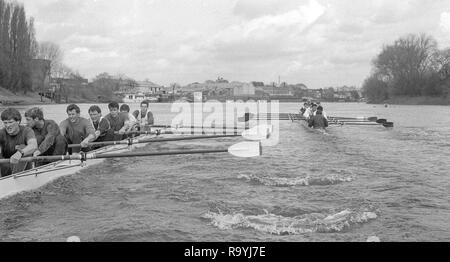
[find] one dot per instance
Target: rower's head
(320, 108)
(73, 112)
(314, 107)
(113, 109)
(95, 113)
(125, 108)
(318, 112)
(144, 106)
(33, 116)
(11, 119)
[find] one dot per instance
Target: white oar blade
(246, 149)
(260, 132)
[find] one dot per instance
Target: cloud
(265, 37)
(317, 42)
(445, 22)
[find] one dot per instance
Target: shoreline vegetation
(7, 98)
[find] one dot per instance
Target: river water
(347, 184)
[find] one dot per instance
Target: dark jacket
(318, 121)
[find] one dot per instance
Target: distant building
(278, 91)
(139, 91)
(244, 89)
(257, 84)
(147, 87)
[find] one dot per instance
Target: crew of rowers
(314, 115)
(44, 137)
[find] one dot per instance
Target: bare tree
(407, 64)
(51, 51)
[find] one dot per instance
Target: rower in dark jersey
(101, 125)
(16, 141)
(49, 139)
(117, 121)
(77, 129)
(318, 121)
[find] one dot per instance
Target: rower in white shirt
(131, 122)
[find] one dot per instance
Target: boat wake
(281, 225)
(305, 181)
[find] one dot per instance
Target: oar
(386, 124)
(285, 116)
(206, 127)
(158, 132)
(288, 116)
(242, 149)
(259, 132)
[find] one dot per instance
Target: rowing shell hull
(35, 178)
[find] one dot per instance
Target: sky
(319, 43)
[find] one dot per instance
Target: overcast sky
(319, 43)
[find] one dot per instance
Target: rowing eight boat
(34, 178)
(69, 164)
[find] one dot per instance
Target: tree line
(17, 47)
(411, 66)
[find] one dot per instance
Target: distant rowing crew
(43, 137)
(314, 115)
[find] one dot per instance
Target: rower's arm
(150, 119)
(49, 140)
(31, 147)
(63, 127)
(90, 131)
(103, 128)
(31, 143)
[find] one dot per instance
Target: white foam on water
(305, 181)
(280, 225)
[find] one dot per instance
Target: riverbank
(7, 98)
(421, 100)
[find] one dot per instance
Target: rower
(144, 116)
(101, 125)
(16, 141)
(49, 139)
(131, 123)
(310, 111)
(76, 129)
(323, 112)
(307, 111)
(303, 109)
(116, 120)
(318, 121)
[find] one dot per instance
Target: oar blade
(259, 132)
(372, 118)
(246, 149)
(381, 121)
(388, 124)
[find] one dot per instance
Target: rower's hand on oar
(37, 153)
(84, 143)
(14, 159)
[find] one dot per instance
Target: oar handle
(75, 156)
(105, 143)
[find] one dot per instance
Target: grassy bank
(7, 98)
(421, 100)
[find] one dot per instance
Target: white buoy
(373, 239)
(73, 239)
